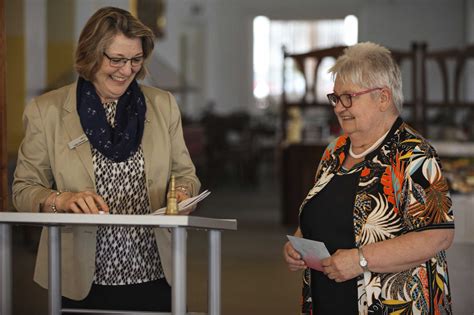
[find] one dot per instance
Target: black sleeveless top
(328, 218)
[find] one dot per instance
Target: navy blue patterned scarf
(120, 142)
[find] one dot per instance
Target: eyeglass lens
(120, 62)
(345, 99)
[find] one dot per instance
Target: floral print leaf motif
(362, 207)
(418, 193)
(375, 308)
(403, 197)
(431, 170)
(396, 307)
(398, 176)
(437, 204)
(438, 284)
(407, 287)
(329, 158)
(417, 159)
(388, 190)
(365, 172)
(419, 294)
(415, 163)
(372, 291)
(341, 157)
(333, 146)
(439, 281)
(341, 141)
(321, 183)
(380, 223)
(422, 274)
(416, 188)
(412, 140)
(329, 161)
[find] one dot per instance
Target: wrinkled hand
(343, 265)
(81, 202)
(293, 258)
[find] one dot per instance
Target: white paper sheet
(311, 251)
(186, 204)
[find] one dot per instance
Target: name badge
(77, 142)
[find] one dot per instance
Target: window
(297, 36)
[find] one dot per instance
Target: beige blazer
(46, 162)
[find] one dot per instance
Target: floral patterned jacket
(401, 189)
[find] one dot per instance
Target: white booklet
(187, 203)
(311, 251)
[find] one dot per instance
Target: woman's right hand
(81, 202)
(293, 258)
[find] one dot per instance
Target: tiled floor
(255, 277)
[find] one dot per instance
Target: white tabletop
(117, 219)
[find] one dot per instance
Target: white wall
(85, 8)
(218, 56)
(229, 57)
(183, 49)
(395, 23)
(35, 50)
(226, 25)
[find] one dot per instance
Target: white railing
(177, 224)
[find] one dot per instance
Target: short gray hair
(370, 65)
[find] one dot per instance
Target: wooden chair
(310, 76)
(449, 75)
(409, 58)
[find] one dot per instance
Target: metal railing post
(54, 270)
(214, 273)
(179, 271)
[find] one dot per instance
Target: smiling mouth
(119, 79)
(346, 117)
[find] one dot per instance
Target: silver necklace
(372, 148)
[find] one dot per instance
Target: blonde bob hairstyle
(98, 34)
(369, 65)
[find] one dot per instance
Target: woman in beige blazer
(106, 144)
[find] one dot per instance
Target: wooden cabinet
(298, 167)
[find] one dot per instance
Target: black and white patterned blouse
(124, 255)
(400, 189)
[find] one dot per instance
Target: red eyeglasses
(346, 98)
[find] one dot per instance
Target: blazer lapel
(74, 130)
(147, 145)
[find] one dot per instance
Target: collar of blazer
(72, 125)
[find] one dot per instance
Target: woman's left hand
(343, 265)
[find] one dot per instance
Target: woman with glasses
(106, 144)
(380, 202)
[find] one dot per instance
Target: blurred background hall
(250, 79)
